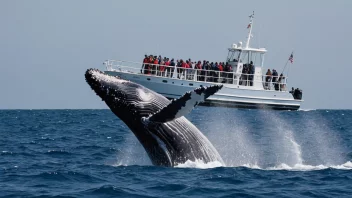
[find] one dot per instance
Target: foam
(200, 164)
(306, 109)
(305, 167)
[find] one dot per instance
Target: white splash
(200, 164)
(306, 109)
(304, 167)
(297, 151)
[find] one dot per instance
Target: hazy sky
(46, 46)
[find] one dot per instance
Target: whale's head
(128, 100)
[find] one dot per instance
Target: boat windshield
(249, 56)
(233, 56)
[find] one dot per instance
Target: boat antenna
(250, 26)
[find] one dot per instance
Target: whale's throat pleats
(167, 136)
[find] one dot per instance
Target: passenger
(202, 73)
(251, 73)
(221, 68)
(159, 59)
(180, 67)
(171, 69)
(244, 76)
(161, 71)
(275, 79)
(186, 69)
(292, 91)
(215, 72)
(281, 83)
(151, 62)
(209, 72)
(167, 67)
(155, 66)
(198, 67)
(145, 65)
(267, 78)
(275, 75)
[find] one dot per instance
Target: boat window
(233, 56)
(244, 57)
(190, 84)
(165, 81)
(148, 78)
(256, 57)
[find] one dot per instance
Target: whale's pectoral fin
(182, 106)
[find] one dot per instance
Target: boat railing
(192, 74)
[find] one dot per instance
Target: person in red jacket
(145, 65)
(220, 67)
(167, 66)
(155, 66)
(162, 67)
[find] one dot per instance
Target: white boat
(240, 90)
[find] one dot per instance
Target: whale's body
(167, 136)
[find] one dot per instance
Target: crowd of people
(273, 77)
(207, 71)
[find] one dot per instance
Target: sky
(46, 46)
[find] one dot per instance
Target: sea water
(91, 153)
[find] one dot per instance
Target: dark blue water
(91, 153)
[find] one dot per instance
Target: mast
(250, 26)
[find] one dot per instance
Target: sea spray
(232, 137)
(132, 153)
(324, 144)
(283, 142)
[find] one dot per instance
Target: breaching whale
(158, 123)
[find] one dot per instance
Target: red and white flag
(249, 26)
(291, 58)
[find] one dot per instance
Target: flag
(291, 58)
(249, 26)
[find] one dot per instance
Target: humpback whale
(158, 123)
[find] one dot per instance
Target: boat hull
(229, 96)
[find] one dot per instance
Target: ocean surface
(91, 153)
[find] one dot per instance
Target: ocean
(91, 153)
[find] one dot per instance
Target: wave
(306, 109)
(199, 164)
(303, 167)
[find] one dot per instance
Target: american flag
(291, 58)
